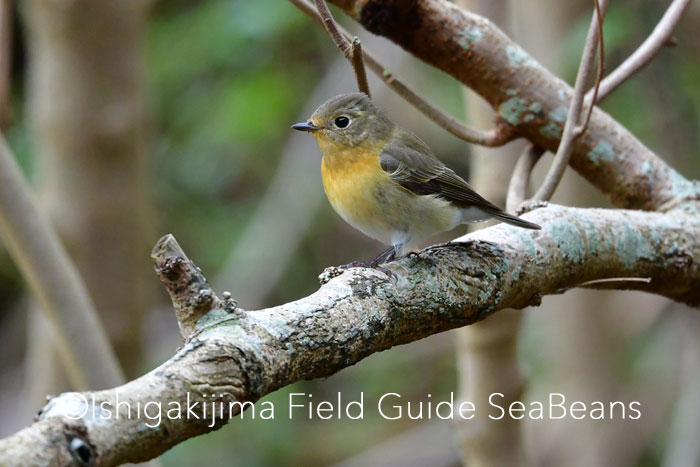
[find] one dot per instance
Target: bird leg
(384, 257)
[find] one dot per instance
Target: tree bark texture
(234, 355)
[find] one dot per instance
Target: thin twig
(34, 246)
(351, 50)
(572, 128)
(645, 53)
(497, 136)
(601, 66)
(519, 180)
(646, 280)
(332, 27)
(358, 65)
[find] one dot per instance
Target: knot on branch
(189, 291)
(79, 446)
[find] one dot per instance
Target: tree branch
(598, 16)
(574, 127)
(501, 134)
(234, 356)
(358, 64)
(526, 95)
(645, 53)
(82, 342)
(351, 50)
(188, 289)
(520, 179)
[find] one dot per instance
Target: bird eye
(342, 121)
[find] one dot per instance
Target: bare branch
(601, 67)
(645, 53)
(81, 341)
(239, 357)
(351, 50)
(358, 65)
(520, 179)
(572, 128)
(609, 280)
(501, 134)
(329, 23)
(188, 289)
(529, 97)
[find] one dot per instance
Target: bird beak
(305, 126)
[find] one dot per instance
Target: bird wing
(411, 164)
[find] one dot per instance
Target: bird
(386, 182)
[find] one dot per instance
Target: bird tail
(514, 220)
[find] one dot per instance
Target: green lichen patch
(569, 239)
(563, 94)
(469, 36)
(273, 323)
(682, 187)
(517, 110)
(592, 236)
(559, 114)
(213, 317)
(551, 130)
(517, 57)
(631, 246)
(515, 275)
(238, 335)
(602, 152)
(526, 240)
(533, 109)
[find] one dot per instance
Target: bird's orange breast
(366, 197)
(351, 178)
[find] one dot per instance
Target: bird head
(347, 120)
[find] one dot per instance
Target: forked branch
(575, 125)
(501, 134)
(645, 53)
(234, 357)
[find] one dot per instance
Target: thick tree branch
(235, 356)
(81, 340)
(526, 95)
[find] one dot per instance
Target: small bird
(386, 182)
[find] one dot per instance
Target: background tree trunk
(487, 351)
(88, 110)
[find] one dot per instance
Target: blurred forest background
(134, 120)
